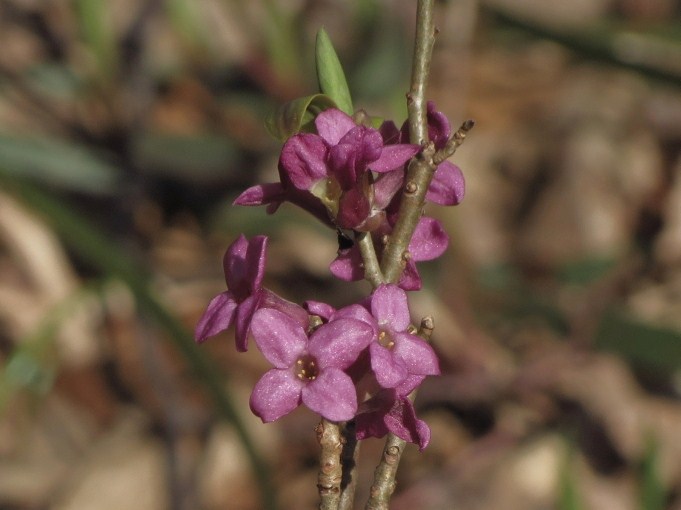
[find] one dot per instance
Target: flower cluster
(362, 361)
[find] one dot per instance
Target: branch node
(410, 188)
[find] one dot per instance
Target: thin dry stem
(421, 168)
(330, 469)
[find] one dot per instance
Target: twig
(384, 475)
(421, 168)
(330, 467)
(349, 460)
(372, 269)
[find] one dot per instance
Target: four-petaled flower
(389, 410)
(397, 354)
(307, 370)
(244, 266)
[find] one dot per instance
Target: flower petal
(394, 156)
(303, 161)
(390, 307)
(338, 343)
(347, 265)
(331, 395)
(356, 311)
(320, 309)
(279, 337)
(353, 209)
(236, 269)
(276, 394)
(268, 193)
(333, 124)
(448, 186)
(439, 127)
(401, 420)
(256, 259)
(386, 186)
(429, 240)
(418, 357)
(296, 312)
(244, 317)
(217, 317)
(410, 279)
(389, 370)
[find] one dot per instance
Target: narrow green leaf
(98, 34)
(330, 73)
(644, 345)
(57, 163)
(653, 495)
(568, 491)
(297, 115)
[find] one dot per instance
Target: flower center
(386, 339)
(306, 368)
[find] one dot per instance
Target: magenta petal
(419, 357)
(333, 124)
(294, 311)
(410, 279)
(276, 394)
(355, 311)
(236, 268)
(390, 307)
(332, 395)
(339, 342)
(386, 186)
(389, 370)
(303, 160)
(401, 420)
(394, 156)
(279, 337)
(255, 261)
(439, 127)
(347, 265)
(320, 309)
(410, 383)
(268, 193)
(244, 316)
(217, 317)
(353, 209)
(448, 186)
(389, 132)
(429, 240)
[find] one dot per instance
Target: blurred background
(126, 130)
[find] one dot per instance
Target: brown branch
(330, 468)
(421, 168)
(384, 475)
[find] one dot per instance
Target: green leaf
(98, 33)
(653, 495)
(645, 345)
(66, 165)
(568, 492)
(330, 73)
(297, 115)
(189, 158)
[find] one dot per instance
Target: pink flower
(397, 354)
(390, 410)
(244, 267)
(307, 370)
(333, 169)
